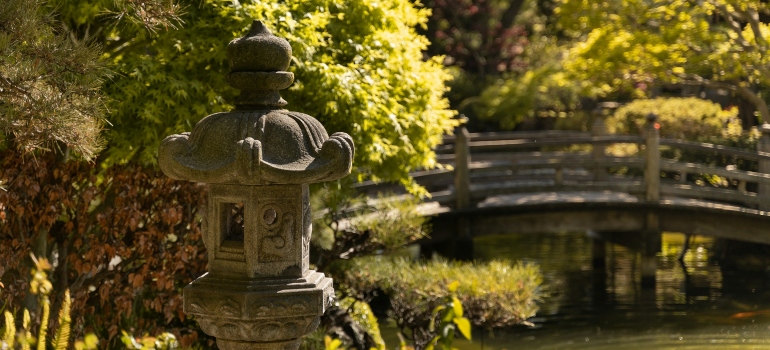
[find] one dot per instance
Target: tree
(358, 68)
(50, 86)
(481, 40)
(630, 44)
(622, 49)
(479, 36)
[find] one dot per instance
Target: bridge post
(763, 190)
(462, 168)
(599, 128)
(652, 159)
(462, 243)
(651, 237)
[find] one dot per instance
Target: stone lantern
(258, 159)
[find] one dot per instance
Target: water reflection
(607, 309)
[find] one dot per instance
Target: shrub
(349, 225)
(124, 241)
(42, 288)
(680, 118)
(494, 294)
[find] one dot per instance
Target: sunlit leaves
(621, 46)
(493, 294)
(358, 68)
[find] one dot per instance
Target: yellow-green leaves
(26, 338)
(450, 318)
(164, 341)
(90, 342)
(62, 337)
(464, 325)
(494, 294)
(358, 68)
(331, 344)
(9, 335)
(621, 47)
(41, 286)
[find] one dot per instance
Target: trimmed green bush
(686, 118)
(493, 294)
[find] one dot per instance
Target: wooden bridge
(565, 181)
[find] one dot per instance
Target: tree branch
(752, 16)
(741, 90)
(734, 25)
(8, 84)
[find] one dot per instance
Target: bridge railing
(479, 166)
(548, 170)
(750, 188)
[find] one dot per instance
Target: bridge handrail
(708, 147)
(550, 163)
(592, 165)
(734, 174)
(508, 135)
(541, 141)
(530, 143)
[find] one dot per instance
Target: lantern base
(239, 345)
(267, 313)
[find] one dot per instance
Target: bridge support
(598, 254)
(598, 250)
(651, 244)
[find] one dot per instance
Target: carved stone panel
(282, 227)
(264, 310)
(278, 228)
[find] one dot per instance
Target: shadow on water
(606, 309)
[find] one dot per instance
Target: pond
(607, 309)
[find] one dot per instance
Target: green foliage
(62, 336)
(349, 318)
(50, 86)
(621, 47)
(540, 92)
(165, 341)
(331, 344)
(358, 68)
(679, 118)
(450, 318)
(493, 294)
(543, 90)
(41, 286)
(619, 50)
(362, 314)
(481, 37)
(690, 119)
(493, 45)
(349, 226)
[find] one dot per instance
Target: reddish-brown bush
(125, 241)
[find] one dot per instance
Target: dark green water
(705, 308)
